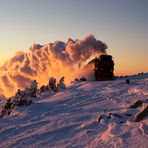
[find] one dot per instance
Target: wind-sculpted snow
(43, 61)
(70, 118)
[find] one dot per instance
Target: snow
(70, 118)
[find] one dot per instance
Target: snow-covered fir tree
(61, 84)
(33, 88)
(52, 84)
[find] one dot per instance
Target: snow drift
(43, 61)
(70, 118)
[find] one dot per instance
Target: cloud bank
(43, 61)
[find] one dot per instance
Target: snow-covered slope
(70, 118)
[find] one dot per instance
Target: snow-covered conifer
(33, 85)
(61, 84)
(52, 84)
(33, 88)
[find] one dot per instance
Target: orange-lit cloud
(41, 62)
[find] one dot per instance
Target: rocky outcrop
(141, 115)
(137, 104)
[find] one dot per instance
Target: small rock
(127, 81)
(99, 119)
(88, 132)
(83, 79)
(76, 79)
(109, 115)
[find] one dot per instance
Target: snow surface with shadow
(70, 118)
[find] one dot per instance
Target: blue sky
(121, 24)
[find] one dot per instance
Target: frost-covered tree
(61, 84)
(7, 108)
(33, 88)
(42, 89)
(33, 85)
(27, 92)
(19, 94)
(52, 84)
(22, 97)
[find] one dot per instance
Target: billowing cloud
(41, 62)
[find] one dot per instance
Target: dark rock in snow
(114, 114)
(83, 79)
(76, 79)
(141, 115)
(99, 119)
(88, 132)
(109, 115)
(137, 104)
(103, 67)
(127, 81)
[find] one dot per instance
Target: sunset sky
(121, 24)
